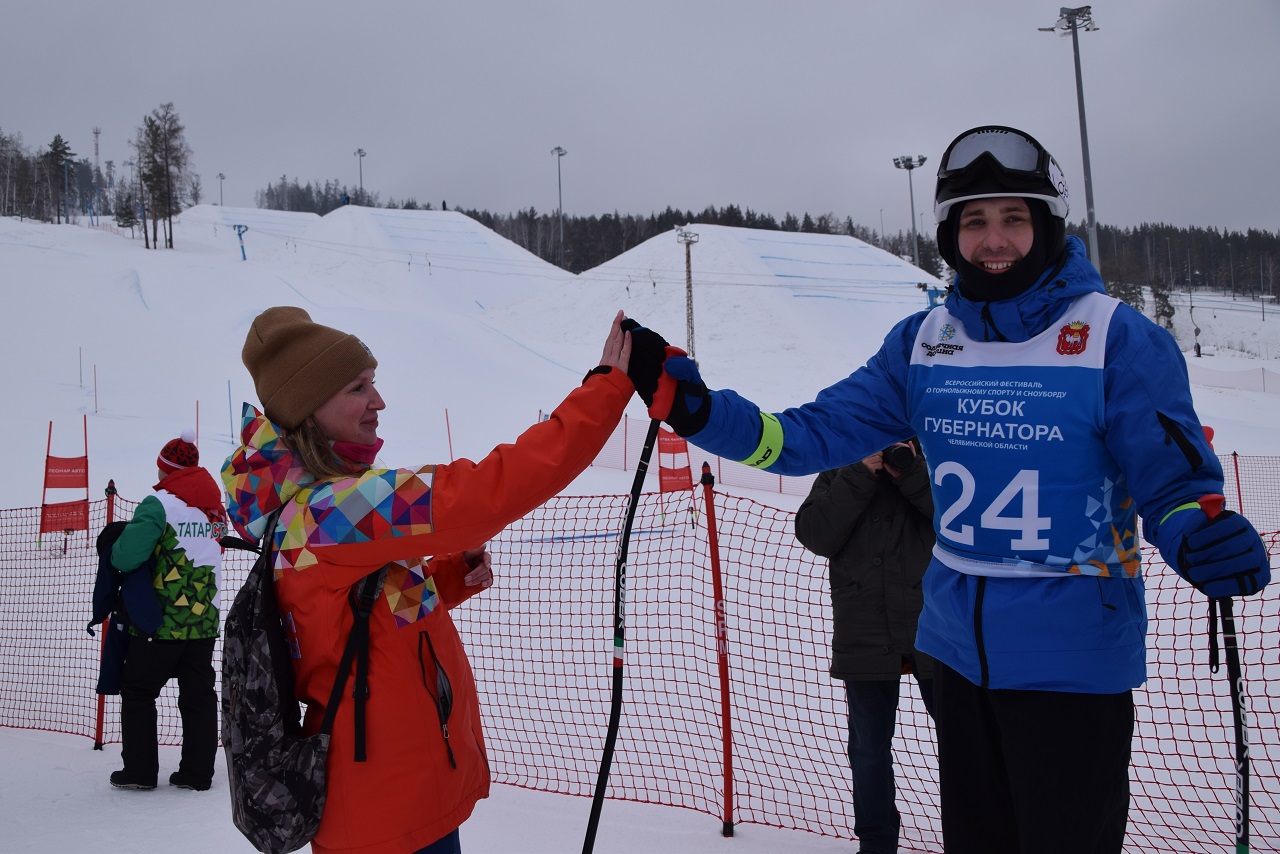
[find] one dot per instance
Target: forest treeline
(1156, 256)
(53, 184)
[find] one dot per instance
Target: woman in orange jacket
(310, 454)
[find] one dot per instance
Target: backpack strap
(263, 548)
(362, 605)
(230, 542)
(362, 596)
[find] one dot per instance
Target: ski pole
(1212, 506)
(1230, 644)
(619, 625)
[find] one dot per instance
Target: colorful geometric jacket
(426, 764)
(181, 524)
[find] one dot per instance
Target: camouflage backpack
(277, 775)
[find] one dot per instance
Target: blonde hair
(311, 445)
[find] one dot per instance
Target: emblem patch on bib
(1072, 338)
(943, 347)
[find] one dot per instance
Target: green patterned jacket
(181, 525)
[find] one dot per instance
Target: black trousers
(1031, 772)
(147, 667)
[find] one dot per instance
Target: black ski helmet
(994, 161)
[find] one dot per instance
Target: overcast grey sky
(794, 105)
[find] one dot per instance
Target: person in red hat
(181, 526)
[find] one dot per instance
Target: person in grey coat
(873, 521)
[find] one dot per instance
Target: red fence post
(722, 646)
(106, 627)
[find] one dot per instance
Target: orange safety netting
(541, 645)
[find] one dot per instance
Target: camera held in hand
(900, 458)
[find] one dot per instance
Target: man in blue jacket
(1052, 417)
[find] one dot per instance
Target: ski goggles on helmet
(995, 161)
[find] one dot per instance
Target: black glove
(648, 352)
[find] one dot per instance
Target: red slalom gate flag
(672, 477)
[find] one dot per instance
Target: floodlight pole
(910, 163)
(360, 155)
(1070, 21)
(559, 152)
(221, 178)
(688, 238)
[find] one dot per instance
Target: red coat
(408, 793)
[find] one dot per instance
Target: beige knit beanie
(297, 364)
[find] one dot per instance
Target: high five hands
(667, 380)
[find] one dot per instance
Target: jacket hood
(196, 487)
(261, 475)
(1028, 314)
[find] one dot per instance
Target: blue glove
(688, 407)
(1220, 556)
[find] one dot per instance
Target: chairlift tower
(688, 238)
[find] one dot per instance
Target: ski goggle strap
(993, 161)
(1013, 149)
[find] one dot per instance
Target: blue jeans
(873, 713)
(451, 844)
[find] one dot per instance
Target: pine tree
(59, 159)
(163, 161)
(126, 208)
